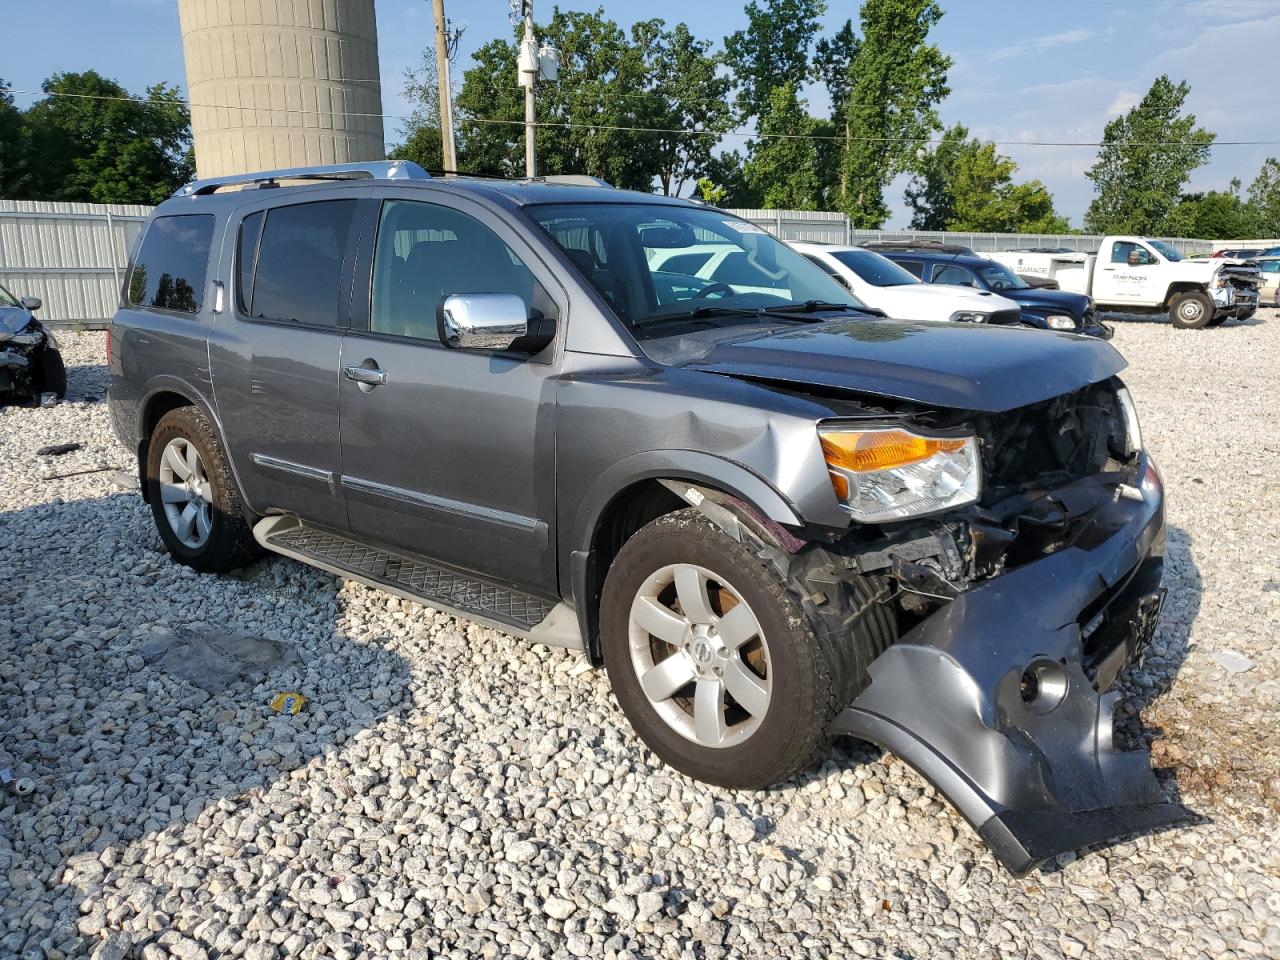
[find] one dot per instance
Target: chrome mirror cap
(482, 321)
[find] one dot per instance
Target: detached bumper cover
(993, 699)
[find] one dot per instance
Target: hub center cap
(702, 652)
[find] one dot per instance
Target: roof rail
(574, 180)
(370, 170)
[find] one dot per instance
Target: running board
(506, 609)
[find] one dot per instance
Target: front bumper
(1000, 698)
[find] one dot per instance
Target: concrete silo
(281, 83)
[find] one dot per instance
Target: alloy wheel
(700, 655)
(185, 493)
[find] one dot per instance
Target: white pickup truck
(1141, 275)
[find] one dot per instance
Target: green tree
(1213, 215)
(1264, 199)
(99, 145)
(772, 50)
(684, 90)
(421, 131)
(727, 182)
(965, 184)
(1146, 157)
(782, 168)
(13, 146)
(897, 78)
(831, 61)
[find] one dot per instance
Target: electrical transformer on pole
(534, 63)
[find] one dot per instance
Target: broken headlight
(888, 473)
(1132, 429)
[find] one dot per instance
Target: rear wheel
(194, 497)
(51, 374)
(711, 658)
(1192, 310)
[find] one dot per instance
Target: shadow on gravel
(120, 750)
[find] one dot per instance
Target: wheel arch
(633, 494)
(165, 396)
(1182, 286)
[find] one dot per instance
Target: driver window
(1131, 254)
(427, 252)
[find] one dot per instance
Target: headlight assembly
(1059, 321)
(1132, 429)
(888, 473)
(968, 316)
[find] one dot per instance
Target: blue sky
(1024, 69)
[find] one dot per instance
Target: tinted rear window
(170, 270)
(299, 263)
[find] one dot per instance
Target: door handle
(366, 374)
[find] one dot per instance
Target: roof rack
(371, 170)
(936, 246)
(574, 180)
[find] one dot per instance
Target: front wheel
(1192, 310)
(711, 658)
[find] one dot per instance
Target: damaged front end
(1019, 613)
(1001, 626)
(28, 358)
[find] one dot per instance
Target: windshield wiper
(785, 312)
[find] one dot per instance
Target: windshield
(7, 299)
(874, 269)
(1166, 251)
(655, 262)
(998, 277)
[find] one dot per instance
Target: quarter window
(426, 252)
(299, 262)
(171, 267)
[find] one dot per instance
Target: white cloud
(1041, 44)
(1125, 101)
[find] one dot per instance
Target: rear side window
(298, 274)
(954, 276)
(171, 267)
(913, 267)
(246, 258)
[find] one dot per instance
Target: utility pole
(447, 152)
(528, 65)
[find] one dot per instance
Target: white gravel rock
(451, 791)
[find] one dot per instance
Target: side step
(507, 609)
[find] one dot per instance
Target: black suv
(1042, 308)
(772, 516)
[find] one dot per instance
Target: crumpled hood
(1049, 301)
(956, 365)
(13, 320)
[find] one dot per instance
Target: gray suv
(771, 515)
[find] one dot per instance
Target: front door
(274, 354)
(1126, 273)
(448, 453)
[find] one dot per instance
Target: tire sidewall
(786, 730)
(1204, 317)
(182, 423)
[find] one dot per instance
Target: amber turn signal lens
(865, 452)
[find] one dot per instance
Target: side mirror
(31, 303)
(491, 321)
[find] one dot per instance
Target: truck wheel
(1218, 319)
(1191, 310)
(711, 659)
(1246, 313)
(194, 497)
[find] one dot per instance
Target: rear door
(452, 455)
(274, 352)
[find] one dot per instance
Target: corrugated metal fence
(70, 255)
(818, 227)
(73, 255)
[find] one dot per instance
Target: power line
(619, 128)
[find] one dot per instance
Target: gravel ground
(449, 791)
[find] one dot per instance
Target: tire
(799, 672)
(223, 540)
(51, 376)
(1191, 311)
(1246, 313)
